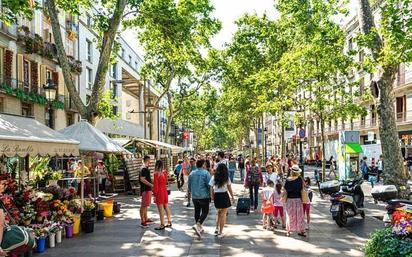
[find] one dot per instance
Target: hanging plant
(57, 104)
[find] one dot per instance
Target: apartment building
(28, 62)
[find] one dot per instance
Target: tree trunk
(62, 57)
(169, 117)
(393, 168)
(322, 131)
(105, 54)
(393, 165)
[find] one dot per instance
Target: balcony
(72, 29)
(75, 65)
(69, 104)
(400, 116)
(24, 91)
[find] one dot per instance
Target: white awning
(120, 127)
(163, 145)
(91, 139)
(22, 136)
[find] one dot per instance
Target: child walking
(267, 205)
(306, 206)
(278, 205)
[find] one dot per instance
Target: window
(362, 121)
(373, 115)
(135, 65)
(70, 120)
(122, 52)
(26, 75)
(89, 78)
(89, 20)
(361, 85)
(115, 110)
(114, 88)
(400, 108)
(49, 75)
(130, 59)
(350, 44)
(89, 50)
(26, 109)
(114, 70)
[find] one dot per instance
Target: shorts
(278, 211)
(146, 198)
(306, 208)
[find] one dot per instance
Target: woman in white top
(220, 187)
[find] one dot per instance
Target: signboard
(302, 133)
(186, 135)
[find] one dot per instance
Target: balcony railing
(69, 104)
(400, 116)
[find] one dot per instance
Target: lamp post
(265, 130)
(50, 91)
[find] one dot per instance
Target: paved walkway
(122, 236)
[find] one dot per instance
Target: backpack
(17, 239)
(254, 176)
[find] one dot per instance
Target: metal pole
(301, 151)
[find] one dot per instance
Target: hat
(295, 169)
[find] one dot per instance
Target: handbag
(304, 194)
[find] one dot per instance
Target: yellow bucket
(76, 224)
(107, 209)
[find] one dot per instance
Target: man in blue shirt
(198, 189)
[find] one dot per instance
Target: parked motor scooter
(388, 194)
(348, 202)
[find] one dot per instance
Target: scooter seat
(399, 201)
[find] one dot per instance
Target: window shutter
(42, 75)
(20, 68)
(35, 76)
(55, 79)
(8, 65)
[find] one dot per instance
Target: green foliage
(12, 9)
(112, 163)
(105, 106)
(383, 243)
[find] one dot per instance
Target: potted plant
(88, 207)
(55, 177)
(40, 234)
(28, 214)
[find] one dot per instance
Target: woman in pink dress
(161, 195)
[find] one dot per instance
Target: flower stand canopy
(22, 136)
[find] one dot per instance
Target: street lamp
(50, 92)
(266, 146)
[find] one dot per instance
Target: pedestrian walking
(199, 190)
(232, 168)
(364, 168)
(221, 187)
(294, 205)
(177, 171)
(267, 205)
(380, 167)
(146, 192)
(306, 206)
(160, 193)
(278, 205)
(241, 166)
(332, 167)
(253, 181)
(101, 174)
(270, 175)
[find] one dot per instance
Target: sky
(228, 11)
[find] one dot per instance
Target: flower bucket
(59, 236)
(86, 215)
(76, 224)
(41, 244)
(69, 231)
(107, 209)
(52, 240)
(89, 226)
(100, 215)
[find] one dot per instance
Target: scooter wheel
(340, 219)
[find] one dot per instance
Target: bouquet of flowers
(402, 223)
(42, 208)
(69, 193)
(28, 212)
(54, 227)
(11, 185)
(40, 230)
(56, 191)
(11, 208)
(75, 206)
(89, 205)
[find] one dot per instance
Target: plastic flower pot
(41, 244)
(89, 226)
(76, 224)
(100, 215)
(107, 209)
(69, 231)
(58, 236)
(52, 240)
(86, 215)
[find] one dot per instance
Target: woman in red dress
(161, 195)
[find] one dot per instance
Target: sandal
(160, 228)
(168, 225)
(302, 234)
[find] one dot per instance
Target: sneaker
(196, 229)
(220, 235)
(144, 225)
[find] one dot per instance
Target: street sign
(186, 135)
(302, 133)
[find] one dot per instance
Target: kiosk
(348, 154)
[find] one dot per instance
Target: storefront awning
(22, 136)
(353, 148)
(150, 143)
(120, 127)
(91, 139)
